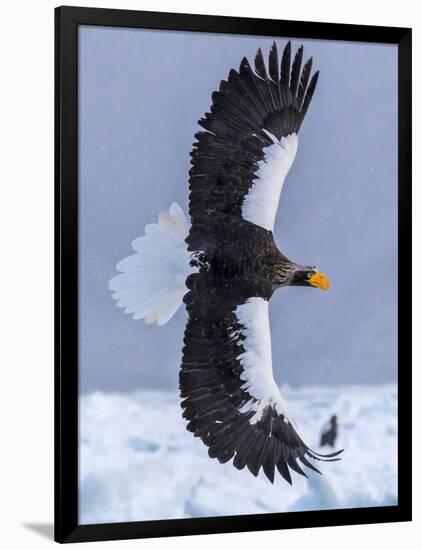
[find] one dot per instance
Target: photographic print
(222, 174)
(237, 305)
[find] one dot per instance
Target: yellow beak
(319, 280)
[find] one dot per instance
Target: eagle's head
(309, 276)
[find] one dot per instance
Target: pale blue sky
(141, 94)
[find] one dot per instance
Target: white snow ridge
(138, 462)
(152, 283)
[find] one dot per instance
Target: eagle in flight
(225, 266)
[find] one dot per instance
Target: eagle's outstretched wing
(230, 398)
(240, 161)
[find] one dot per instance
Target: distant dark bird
(329, 436)
(225, 266)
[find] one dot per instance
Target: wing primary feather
(243, 450)
(263, 452)
(325, 459)
(330, 455)
(306, 462)
(291, 461)
(309, 93)
(304, 79)
(240, 93)
(236, 81)
(297, 63)
(255, 453)
(267, 89)
(274, 70)
(260, 69)
(285, 65)
(273, 64)
(282, 465)
(268, 463)
(252, 82)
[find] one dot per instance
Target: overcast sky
(141, 95)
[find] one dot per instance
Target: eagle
(224, 265)
(330, 432)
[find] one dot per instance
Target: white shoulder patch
(261, 203)
(257, 359)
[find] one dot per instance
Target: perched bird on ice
(329, 435)
(225, 266)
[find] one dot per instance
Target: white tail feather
(151, 284)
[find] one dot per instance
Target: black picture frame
(67, 20)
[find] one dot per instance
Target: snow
(138, 462)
